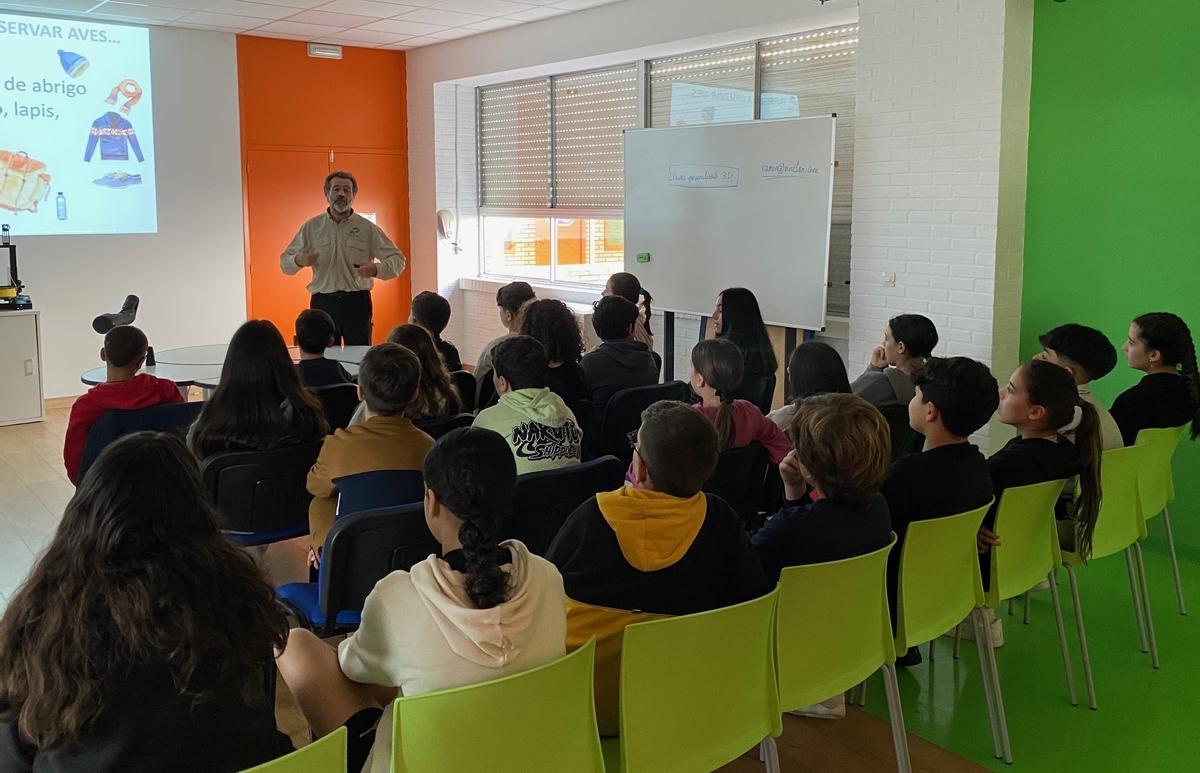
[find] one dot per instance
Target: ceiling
(392, 24)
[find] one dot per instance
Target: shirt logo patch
(539, 442)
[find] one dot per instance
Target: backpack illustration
(23, 183)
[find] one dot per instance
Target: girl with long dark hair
(485, 609)
(1161, 346)
(717, 370)
(260, 403)
(815, 368)
(436, 397)
(737, 318)
(625, 285)
(142, 639)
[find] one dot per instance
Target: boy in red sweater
(124, 352)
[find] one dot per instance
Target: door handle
(29, 367)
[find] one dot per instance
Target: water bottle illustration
(62, 206)
(4, 238)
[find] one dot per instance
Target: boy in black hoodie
(620, 362)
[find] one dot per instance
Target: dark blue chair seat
(361, 550)
(543, 500)
(740, 478)
(262, 495)
(112, 425)
(339, 401)
(377, 489)
(464, 382)
(435, 428)
(623, 416)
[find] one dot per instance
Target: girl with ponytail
(718, 368)
(485, 609)
(1161, 346)
(627, 286)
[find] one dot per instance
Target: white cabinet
(20, 367)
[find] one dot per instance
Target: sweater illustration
(115, 135)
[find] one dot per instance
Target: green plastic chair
(939, 587)
(1119, 525)
(698, 691)
(538, 721)
(324, 755)
(1156, 485)
(833, 630)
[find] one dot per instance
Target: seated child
(1088, 356)
(907, 341)
(386, 440)
(1161, 346)
(484, 610)
(953, 398)
(814, 368)
(512, 300)
(314, 334)
(620, 361)
(432, 312)
(537, 424)
(662, 548)
(625, 285)
(843, 448)
(124, 388)
(717, 371)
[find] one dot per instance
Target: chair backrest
(435, 428)
(905, 439)
(739, 479)
(939, 576)
(543, 500)
(112, 425)
(698, 690)
(759, 390)
(486, 389)
(1120, 521)
(547, 725)
(832, 627)
(339, 401)
(363, 548)
(623, 416)
(1028, 547)
(1155, 481)
(324, 755)
(262, 491)
(377, 489)
(464, 382)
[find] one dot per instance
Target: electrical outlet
(888, 279)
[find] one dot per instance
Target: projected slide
(76, 128)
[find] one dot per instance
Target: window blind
(514, 144)
(591, 110)
(706, 87)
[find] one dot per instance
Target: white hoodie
(421, 633)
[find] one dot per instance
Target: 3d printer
(11, 297)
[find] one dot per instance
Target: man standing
(347, 253)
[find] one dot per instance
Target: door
(383, 191)
(283, 189)
(20, 379)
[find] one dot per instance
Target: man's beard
(340, 206)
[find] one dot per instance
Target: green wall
(1113, 216)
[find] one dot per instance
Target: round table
(211, 381)
(201, 365)
(183, 375)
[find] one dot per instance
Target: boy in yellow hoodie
(661, 548)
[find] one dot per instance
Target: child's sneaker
(834, 708)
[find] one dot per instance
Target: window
(551, 162)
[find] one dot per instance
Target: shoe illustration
(119, 180)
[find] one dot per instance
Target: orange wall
(301, 118)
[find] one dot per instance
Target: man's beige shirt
(340, 248)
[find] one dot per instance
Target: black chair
(262, 494)
(760, 391)
(739, 479)
(112, 425)
(623, 416)
(543, 500)
(435, 428)
(361, 550)
(378, 489)
(585, 417)
(340, 401)
(905, 439)
(487, 391)
(464, 382)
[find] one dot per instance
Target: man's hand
(792, 473)
(879, 357)
(306, 257)
(985, 540)
(368, 270)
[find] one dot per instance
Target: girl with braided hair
(718, 368)
(1161, 346)
(485, 609)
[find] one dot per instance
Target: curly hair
(552, 322)
(138, 573)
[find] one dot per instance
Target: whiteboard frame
(631, 264)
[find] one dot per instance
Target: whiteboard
(733, 205)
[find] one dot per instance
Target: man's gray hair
(346, 175)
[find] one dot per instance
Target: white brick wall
(939, 185)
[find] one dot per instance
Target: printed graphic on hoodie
(539, 442)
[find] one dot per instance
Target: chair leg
(997, 695)
(862, 693)
(1062, 637)
(1025, 605)
(896, 713)
(981, 630)
(768, 752)
(957, 641)
(1083, 648)
(1174, 561)
(1011, 604)
(1141, 565)
(1135, 590)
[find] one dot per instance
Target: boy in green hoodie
(538, 425)
(661, 548)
